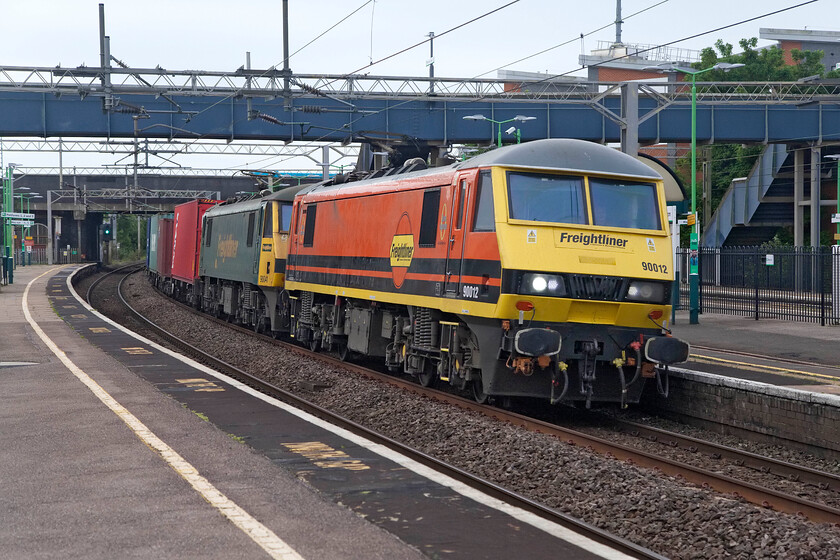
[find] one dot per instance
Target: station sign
(18, 215)
(24, 223)
(691, 219)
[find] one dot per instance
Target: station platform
(113, 447)
(789, 340)
(796, 355)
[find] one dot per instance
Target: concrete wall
(798, 419)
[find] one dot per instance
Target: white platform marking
(258, 532)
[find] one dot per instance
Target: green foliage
(730, 161)
(761, 65)
(127, 237)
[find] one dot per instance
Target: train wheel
(478, 391)
(314, 342)
(259, 321)
(428, 377)
(343, 352)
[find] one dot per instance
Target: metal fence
(38, 255)
(790, 283)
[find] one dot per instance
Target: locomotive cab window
(249, 240)
(462, 196)
(484, 218)
(208, 232)
(309, 228)
(429, 218)
(268, 221)
(624, 204)
(285, 217)
(542, 197)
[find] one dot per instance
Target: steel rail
(485, 486)
(96, 282)
(799, 473)
(765, 497)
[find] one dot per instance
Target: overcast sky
(215, 34)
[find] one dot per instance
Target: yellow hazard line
(258, 532)
(760, 367)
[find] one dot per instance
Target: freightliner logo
(601, 239)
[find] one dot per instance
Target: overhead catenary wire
(336, 24)
(570, 41)
(693, 36)
(406, 49)
(479, 98)
(688, 38)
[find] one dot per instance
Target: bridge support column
(325, 162)
(816, 155)
(798, 196)
(630, 116)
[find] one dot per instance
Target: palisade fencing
(790, 283)
(38, 255)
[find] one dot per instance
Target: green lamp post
(517, 118)
(694, 247)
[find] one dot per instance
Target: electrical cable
(345, 18)
(570, 41)
(424, 41)
(669, 43)
(354, 121)
(222, 100)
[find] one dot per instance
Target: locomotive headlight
(539, 284)
(649, 292)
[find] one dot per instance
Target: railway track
(767, 497)
(456, 473)
(754, 493)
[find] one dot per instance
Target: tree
(127, 237)
(760, 65)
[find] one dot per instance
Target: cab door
(265, 258)
(455, 244)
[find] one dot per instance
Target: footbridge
(414, 116)
(273, 104)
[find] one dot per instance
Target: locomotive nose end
(666, 350)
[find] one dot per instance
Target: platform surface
(100, 450)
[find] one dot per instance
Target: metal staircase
(755, 207)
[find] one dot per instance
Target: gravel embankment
(672, 517)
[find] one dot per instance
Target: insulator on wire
(309, 89)
(127, 108)
(269, 118)
(311, 108)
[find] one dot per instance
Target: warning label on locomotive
(402, 249)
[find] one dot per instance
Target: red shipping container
(164, 247)
(186, 238)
